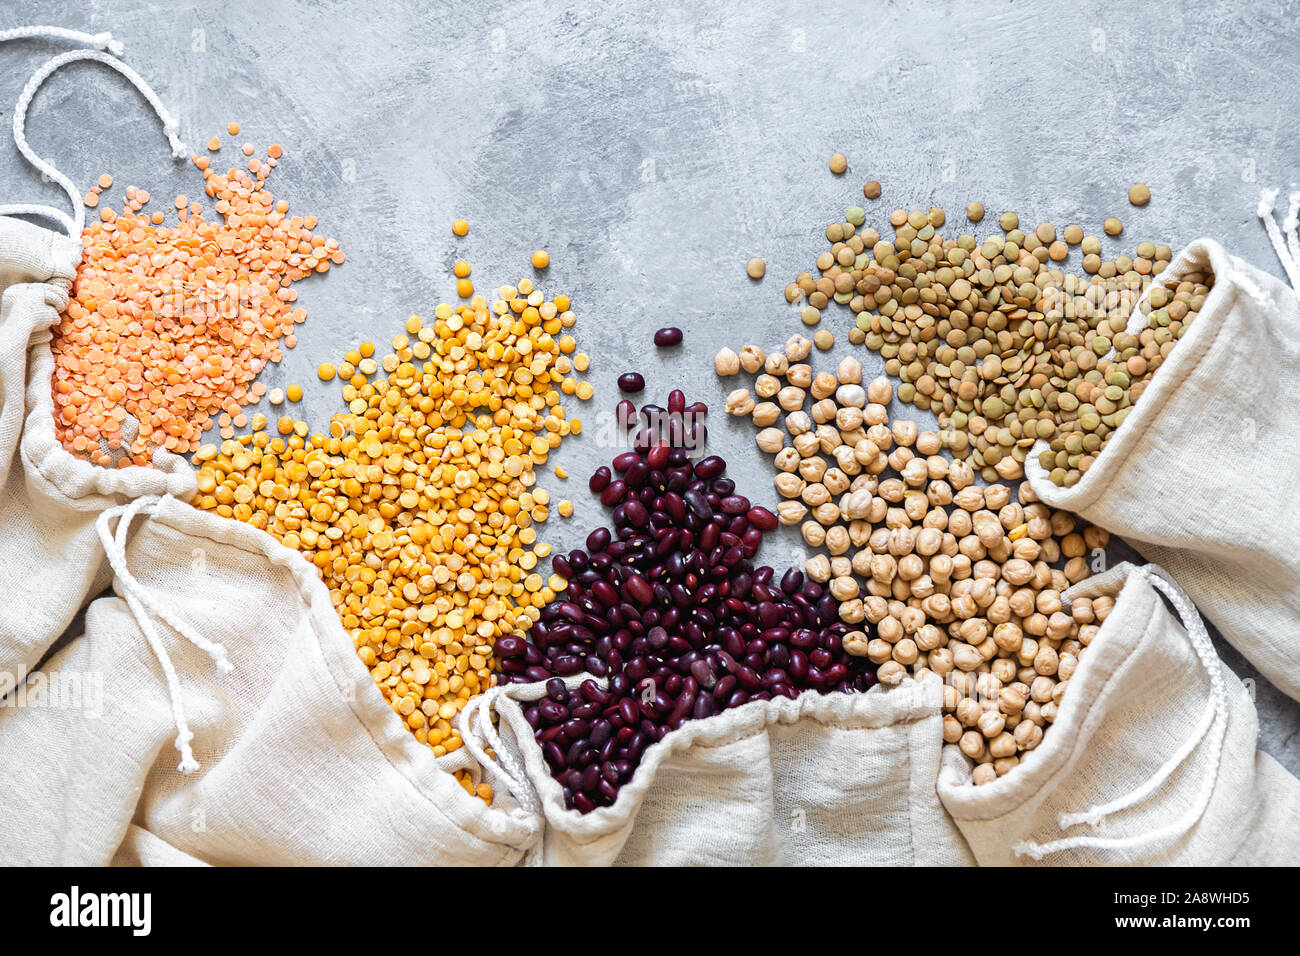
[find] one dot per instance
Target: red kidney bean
(667, 605)
(510, 646)
(762, 519)
(636, 514)
(599, 479)
(668, 337)
(734, 505)
(604, 592)
(638, 589)
(625, 461)
(710, 467)
(615, 493)
(658, 455)
(631, 382)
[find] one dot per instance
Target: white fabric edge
(910, 702)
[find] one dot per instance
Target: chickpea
(800, 375)
(818, 568)
(891, 673)
(765, 414)
(797, 348)
(739, 402)
(751, 358)
(766, 386)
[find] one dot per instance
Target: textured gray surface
(653, 150)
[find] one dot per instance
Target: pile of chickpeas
(943, 576)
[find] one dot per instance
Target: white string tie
(1213, 723)
(105, 42)
(1285, 255)
(1291, 226)
(143, 604)
(478, 734)
(78, 221)
(100, 41)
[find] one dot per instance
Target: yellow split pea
(419, 507)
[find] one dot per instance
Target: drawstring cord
(1288, 248)
(143, 604)
(1291, 226)
(475, 725)
(100, 41)
(76, 223)
(479, 735)
(1213, 722)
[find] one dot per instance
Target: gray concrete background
(653, 148)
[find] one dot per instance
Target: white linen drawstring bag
(1152, 758)
(833, 779)
(1203, 476)
(51, 562)
(223, 647)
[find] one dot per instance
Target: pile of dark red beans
(668, 606)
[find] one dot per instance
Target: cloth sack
(1151, 759)
(1203, 476)
(224, 644)
(50, 559)
(835, 779)
(51, 562)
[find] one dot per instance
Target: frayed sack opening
(827, 779)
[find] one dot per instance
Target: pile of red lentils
(169, 325)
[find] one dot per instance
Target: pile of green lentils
(996, 338)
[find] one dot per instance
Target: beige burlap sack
(1151, 760)
(224, 645)
(51, 562)
(1203, 477)
(835, 779)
